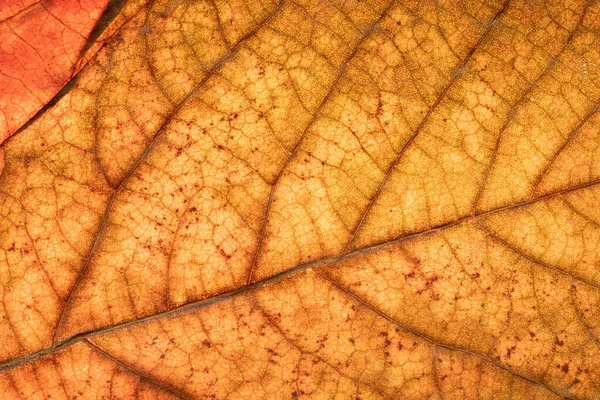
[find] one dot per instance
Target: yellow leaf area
(312, 200)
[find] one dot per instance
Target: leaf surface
(43, 45)
(305, 199)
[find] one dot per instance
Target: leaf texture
(42, 46)
(303, 199)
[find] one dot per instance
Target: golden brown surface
(312, 200)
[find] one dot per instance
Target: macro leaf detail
(302, 199)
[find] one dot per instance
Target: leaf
(312, 200)
(43, 44)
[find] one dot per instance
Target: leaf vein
(429, 340)
(513, 109)
(224, 296)
(296, 148)
(442, 95)
(142, 157)
(132, 370)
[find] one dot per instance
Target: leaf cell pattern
(305, 199)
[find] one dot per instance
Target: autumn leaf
(306, 199)
(43, 44)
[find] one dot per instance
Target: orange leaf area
(40, 44)
(310, 200)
